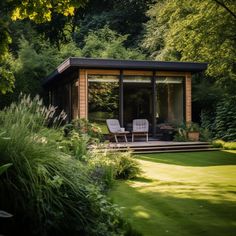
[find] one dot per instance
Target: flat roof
(92, 63)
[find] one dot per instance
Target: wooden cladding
(188, 98)
(137, 72)
(103, 72)
(83, 94)
(170, 73)
(134, 72)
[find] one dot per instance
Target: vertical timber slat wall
(188, 98)
(83, 96)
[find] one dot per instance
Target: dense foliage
(36, 58)
(199, 31)
(225, 122)
(195, 31)
(225, 145)
(35, 10)
(36, 37)
(47, 189)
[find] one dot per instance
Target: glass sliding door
(170, 95)
(103, 99)
(137, 99)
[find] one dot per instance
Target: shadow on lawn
(143, 179)
(192, 159)
(157, 213)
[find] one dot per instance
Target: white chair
(140, 128)
(115, 129)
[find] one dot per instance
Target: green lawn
(182, 194)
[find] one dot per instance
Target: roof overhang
(74, 63)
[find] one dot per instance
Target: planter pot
(193, 135)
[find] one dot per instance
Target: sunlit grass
(182, 194)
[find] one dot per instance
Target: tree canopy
(37, 11)
(194, 30)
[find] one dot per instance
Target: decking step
(157, 147)
(161, 147)
(124, 145)
(177, 150)
(164, 150)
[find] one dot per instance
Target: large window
(103, 99)
(169, 99)
(138, 99)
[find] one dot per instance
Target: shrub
(3, 168)
(181, 135)
(127, 166)
(225, 122)
(230, 145)
(224, 145)
(205, 135)
(218, 143)
(48, 191)
(208, 122)
(83, 126)
(75, 144)
(107, 166)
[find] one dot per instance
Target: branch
(225, 7)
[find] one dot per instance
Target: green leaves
(7, 77)
(106, 43)
(194, 31)
(7, 80)
(46, 186)
(38, 11)
(4, 168)
(225, 122)
(41, 10)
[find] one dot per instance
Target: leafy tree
(105, 43)
(35, 10)
(225, 122)
(35, 60)
(126, 17)
(194, 30)
(59, 30)
(6, 76)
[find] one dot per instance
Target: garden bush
(225, 122)
(105, 166)
(48, 191)
(82, 126)
(108, 165)
(225, 145)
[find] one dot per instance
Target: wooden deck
(159, 146)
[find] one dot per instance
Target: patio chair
(115, 129)
(140, 128)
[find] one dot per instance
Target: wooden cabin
(98, 89)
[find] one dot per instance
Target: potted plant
(193, 132)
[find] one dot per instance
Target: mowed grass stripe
(182, 194)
